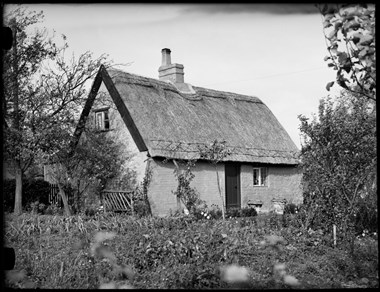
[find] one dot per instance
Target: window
(260, 176)
(102, 121)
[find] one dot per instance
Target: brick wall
(284, 182)
(164, 183)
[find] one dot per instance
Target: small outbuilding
(166, 121)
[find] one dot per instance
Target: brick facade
(283, 183)
(164, 183)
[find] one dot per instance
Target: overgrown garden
(119, 251)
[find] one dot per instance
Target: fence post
(334, 234)
(101, 202)
(132, 204)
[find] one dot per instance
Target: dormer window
(102, 121)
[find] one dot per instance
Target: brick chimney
(169, 71)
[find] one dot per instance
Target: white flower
(235, 273)
(186, 211)
(290, 280)
(208, 217)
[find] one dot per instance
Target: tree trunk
(220, 193)
(18, 192)
(16, 124)
(64, 200)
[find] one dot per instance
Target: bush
(233, 212)
(141, 208)
(248, 212)
(53, 210)
(241, 212)
(37, 207)
(366, 218)
(34, 190)
(290, 208)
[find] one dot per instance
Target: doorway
(232, 179)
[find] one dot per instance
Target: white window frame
(102, 121)
(261, 181)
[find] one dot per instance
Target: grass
(55, 252)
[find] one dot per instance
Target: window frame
(101, 119)
(262, 176)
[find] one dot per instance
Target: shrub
(366, 218)
(34, 190)
(241, 212)
(53, 210)
(187, 194)
(140, 208)
(248, 212)
(290, 208)
(233, 212)
(37, 207)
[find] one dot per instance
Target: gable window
(260, 176)
(102, 121)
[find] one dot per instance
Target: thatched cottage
(165, 121)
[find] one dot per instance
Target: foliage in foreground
(350, 36)
(121, 251)
(339, 162)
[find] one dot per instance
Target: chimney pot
(166, 60)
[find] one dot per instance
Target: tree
(216, 152)
(44, 93)
(339, 160)
(350, 36)
(20, 64)
(95, 160)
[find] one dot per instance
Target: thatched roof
(169, 123)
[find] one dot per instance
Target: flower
(235, 273)
(186, 211)
(290, 280)
(208, 217)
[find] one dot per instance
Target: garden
(107, 250)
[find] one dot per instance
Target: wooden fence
(112, 200)
(55, 197)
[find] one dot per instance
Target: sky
(272, 51)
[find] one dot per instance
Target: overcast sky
(272, 51)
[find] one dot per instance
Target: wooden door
(232, 173)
